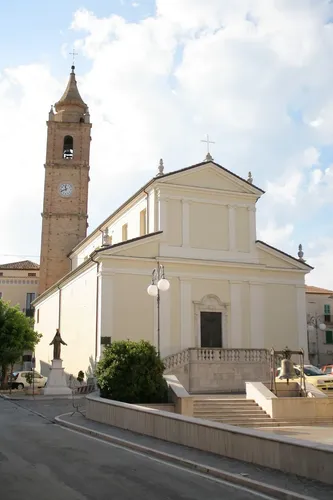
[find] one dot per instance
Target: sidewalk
(261, 479)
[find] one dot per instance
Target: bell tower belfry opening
(65, 207)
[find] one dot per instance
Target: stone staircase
(242, 412)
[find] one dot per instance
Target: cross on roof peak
(208, 142)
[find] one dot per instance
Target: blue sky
(44, 26)
(255, 75)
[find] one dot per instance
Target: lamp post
(314, 324)
(159, 283)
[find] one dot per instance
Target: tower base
(56, 382)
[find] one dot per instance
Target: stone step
(224, 401)
(226, 408)
(218, 418)
(228, 413)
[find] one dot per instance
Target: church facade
(227, 289)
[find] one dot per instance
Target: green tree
(16, 335)
(132, 372)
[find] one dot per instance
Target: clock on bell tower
(65, 208)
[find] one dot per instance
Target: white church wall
(131, 217)
(212, 226)
(133, 308)
(78, 322)
(46, 323)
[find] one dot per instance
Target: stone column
(186, 313)
(257, 315)
(301, 321)
(232, 227)
(236, 319)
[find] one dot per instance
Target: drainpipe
(59, 308)
(147, 209)
(97, 304)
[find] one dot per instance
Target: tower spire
(71, 99)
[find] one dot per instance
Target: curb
(257, 486)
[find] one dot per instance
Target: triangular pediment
(210, 175)
(274, 258)
(145, 246)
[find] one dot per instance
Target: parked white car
(19, 380)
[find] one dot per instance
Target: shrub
(132, 372)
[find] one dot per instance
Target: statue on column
(56, 342)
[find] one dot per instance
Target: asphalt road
(40, 460)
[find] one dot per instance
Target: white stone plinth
(56, 382)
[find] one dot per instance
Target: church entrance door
(211, 329)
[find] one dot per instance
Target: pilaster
(236, 316)
(232, 227)
(257, 315)
(185, 223)
(186, 313)
(105, 308)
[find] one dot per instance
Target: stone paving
(319, 434)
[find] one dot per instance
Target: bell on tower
(68, 150)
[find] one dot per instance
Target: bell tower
(65, 208)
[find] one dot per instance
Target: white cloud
(253, 74)
(276, 235)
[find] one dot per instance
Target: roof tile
(23, 265)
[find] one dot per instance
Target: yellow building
(319, 308)
(19, 282)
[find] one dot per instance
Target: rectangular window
(1, 274)
(32, 274)
(143, 222)
(30, 298)
(327, 313)
(105, 340)
(124, 232)
(0, 295)
(329, 337)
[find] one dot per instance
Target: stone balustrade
(218, 370)
(230, 355)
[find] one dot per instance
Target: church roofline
(201, 164)
(144, 188)
(77, 270)
(122, 243)
(284, 253)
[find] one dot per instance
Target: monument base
(56, 383)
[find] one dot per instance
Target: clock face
(65, 189)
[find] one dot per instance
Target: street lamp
(314, 324)
(158, 283)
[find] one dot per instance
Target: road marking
(179, 467)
